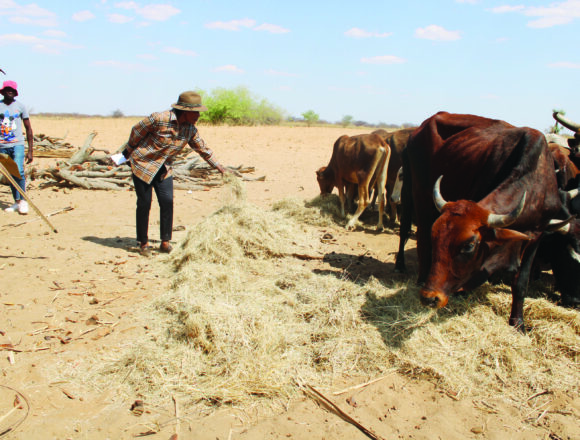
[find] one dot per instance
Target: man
(153, 144)
(14, 115)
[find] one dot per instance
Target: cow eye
(468, 247)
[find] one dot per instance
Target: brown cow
(361, 160)
(397, 141)
(496, 176)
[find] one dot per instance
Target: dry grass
(244, 322)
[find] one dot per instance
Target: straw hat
(190, 102)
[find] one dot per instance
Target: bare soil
(72, 295)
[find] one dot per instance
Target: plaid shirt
(157, 139)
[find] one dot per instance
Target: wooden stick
(362, 385)
(318, 396)
(178, 422)
(23, 194)
(70, 208)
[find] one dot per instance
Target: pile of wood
(86, 170)
(48, 146)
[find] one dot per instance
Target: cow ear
(505, 235)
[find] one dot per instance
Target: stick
(23, 194)
(317, 395)
(178, 422)
(70, 208)
(362, 385)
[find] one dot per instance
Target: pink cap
(11, 84)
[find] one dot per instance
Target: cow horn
(566, 122)
(561, 226)
(575, 255)
(503, 220)
(573, 193)
(437, 197)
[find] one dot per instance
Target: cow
(362, 160)
(502, 192)
(574, 142)
(561, 250)
(397, 141)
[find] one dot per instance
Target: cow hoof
(518, 324)
(350, 227)
(380, 228)
(400, 268)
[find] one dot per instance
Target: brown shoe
(165, 247)
(145, 250)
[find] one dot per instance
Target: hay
(244, 322)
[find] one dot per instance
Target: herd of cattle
(486, 198)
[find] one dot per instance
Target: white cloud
(383, 59)
(54, 33)
(49, 46)
(229, 68)
(120, 65)
(157, 12)
(176, 51)
(30, 14)
(126, 5)
(437, 33)
(273, 72)
(233, 25)
(361, 33)
(546, 16)
(83, 16)
(272, 28)
(119, 18)
(505, 8)
(565, 65)
(248, 23)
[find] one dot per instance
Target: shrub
(238, 107)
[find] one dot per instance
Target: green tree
(238, 107)
(117, 114)
(346, 120)
(557, 128)
(310, 117)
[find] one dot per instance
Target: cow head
(397, 188)
(573, 143)
(325, 181)
(467, 241)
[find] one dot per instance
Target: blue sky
(377, 61)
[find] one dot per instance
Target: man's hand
(29, 156)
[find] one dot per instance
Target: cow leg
(520, 286)
(381, 185)
(406, 202)
(342, 199)
(363, 202)
(350, 189)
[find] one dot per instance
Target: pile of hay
(245, 321)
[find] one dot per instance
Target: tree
(117, 114)
(346, 120)
(310, 117)
(556, 129)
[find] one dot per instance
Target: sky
(392, 62)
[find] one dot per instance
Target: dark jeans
(164, 192)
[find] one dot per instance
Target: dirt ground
(74, 294)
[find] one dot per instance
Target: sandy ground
(53, 284)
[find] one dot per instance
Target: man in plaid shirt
(153, 144)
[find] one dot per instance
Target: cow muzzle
(433, 299)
